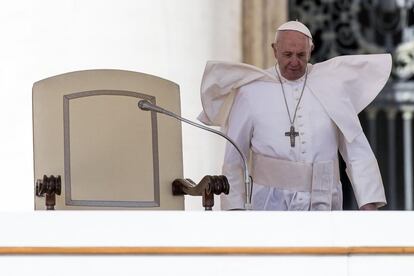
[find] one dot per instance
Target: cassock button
(303, 152)
(303, 142)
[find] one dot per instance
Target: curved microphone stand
(147, 106)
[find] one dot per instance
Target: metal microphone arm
(147, 106)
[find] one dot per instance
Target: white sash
(317, 178)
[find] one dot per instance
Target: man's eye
(288, 54)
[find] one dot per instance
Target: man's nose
(294, 61)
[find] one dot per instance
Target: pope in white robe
(292, 119)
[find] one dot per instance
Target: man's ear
(310, 52)
(274, 48)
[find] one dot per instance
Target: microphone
(147, 106)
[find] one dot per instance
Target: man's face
(292, 51)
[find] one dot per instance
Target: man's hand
(369, 207)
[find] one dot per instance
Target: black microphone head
(144, 105)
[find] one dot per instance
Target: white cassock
(249, 104)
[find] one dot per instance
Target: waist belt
(317, 178)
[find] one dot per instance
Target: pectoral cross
(292, 133)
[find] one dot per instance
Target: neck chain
(292, 133)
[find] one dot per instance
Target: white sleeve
(362, 170)
(240, 129)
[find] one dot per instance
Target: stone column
(392, 159)
(260, 18)
(408, 159)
